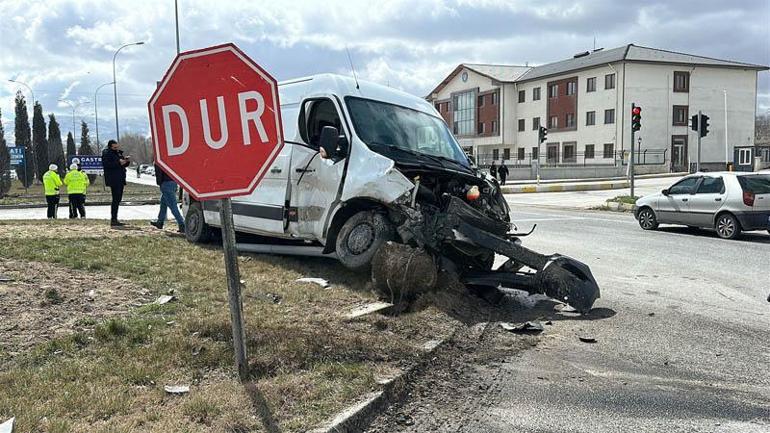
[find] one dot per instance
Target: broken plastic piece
(368, 309)
(320, 281)
(164, 299)
(523, 328)
(4, 279)
(7, 427)
(587, 339)
(177, 389)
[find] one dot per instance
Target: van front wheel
(360, 238)
(196, 229)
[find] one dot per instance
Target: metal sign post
(233, 286)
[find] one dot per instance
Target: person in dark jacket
(493, 170)
(503, 172)
(167, 200)
(115, 164)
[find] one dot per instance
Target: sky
(63, 49)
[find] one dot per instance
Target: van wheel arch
(196, 229)
(346, 211)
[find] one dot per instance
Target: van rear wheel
(360, 238)
(196, 229)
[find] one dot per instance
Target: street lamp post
(73, 106)
(115, 85)
(96, 114)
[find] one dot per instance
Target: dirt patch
(43, 301)
(71, 229)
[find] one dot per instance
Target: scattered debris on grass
(177, 389)
(368, 309)
(7, 427)
(320, 281)
(164, 299)
(4, 279)
(530, 327)
(587, 339)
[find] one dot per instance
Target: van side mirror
(334, 146)
(664, 192)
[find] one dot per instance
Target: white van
(364, 164)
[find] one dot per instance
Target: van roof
(295, 90)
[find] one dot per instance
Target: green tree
(55, 147)
(71, 150)
(85, 145)
(23, 138)
(39, 140)
(5, 162)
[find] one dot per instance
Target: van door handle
(275, 170)
(304, 170)
(718, 199)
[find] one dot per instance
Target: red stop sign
(216, 122)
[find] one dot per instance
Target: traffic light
(704, 125)
(636, 117)
(694, 122)
(543, 134)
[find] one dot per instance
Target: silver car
(728, 202)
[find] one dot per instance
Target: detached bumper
(635, 210)
(758, 220)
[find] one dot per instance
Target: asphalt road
(682, 343)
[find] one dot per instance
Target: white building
(585, 102)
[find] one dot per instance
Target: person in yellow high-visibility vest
(77, 183)
(51, 184)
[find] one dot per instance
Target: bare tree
(138, 147)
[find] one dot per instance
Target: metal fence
(575, 159)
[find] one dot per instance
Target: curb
(95, 203)
(563, 188)
(616, 206)
(358, 416)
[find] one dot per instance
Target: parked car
(150, 170)
(728, 202)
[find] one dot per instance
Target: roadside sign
(89, 164)
(215, 122)
(216, 128)
(17, 156)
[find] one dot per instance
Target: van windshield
(384, 126)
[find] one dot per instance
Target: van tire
(196, 229)
(360, 237)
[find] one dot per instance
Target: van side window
(684, 186)
(317, 114)
(711, 185)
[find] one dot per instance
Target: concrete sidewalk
(579, 184)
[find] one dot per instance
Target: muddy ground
(41, 301)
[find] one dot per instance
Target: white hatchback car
(728, 202)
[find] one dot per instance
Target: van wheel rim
(646, 219)
(360, 238)
(726, 226)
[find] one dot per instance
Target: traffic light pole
(631, 160)
(700, 125)
(538, 160)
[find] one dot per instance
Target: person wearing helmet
(77, 182)
(51, 184)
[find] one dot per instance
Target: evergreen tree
(55, 147)
(39, 140)
(71, 151)
(5, 162)
(22, 135)
(85, 145)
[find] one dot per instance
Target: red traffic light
(636, 111)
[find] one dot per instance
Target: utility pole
(96, 115)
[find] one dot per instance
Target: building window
(481, 101)
(680, 115)
(591, 84)
(536, 94)
(570, 120)
(535, 153)
(553, 122)
(438, 106)
(571, 87)
(609, 150)
(744, 156)
(681, 81)
(494, 98)
(552, 153)
(480, 129)
(522, 95)
(569, 152)
(535, 123)
(553, 90)
(464, 112)
(521, 124)
(609, 81)
(590, 118)
(495, 154)
(494, 126)
(520, 156)
(506, 153)
(609, 116)
(589, 153)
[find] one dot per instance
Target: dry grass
(107, 375)
(96, 192)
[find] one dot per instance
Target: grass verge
(96, 192)
(306, 360)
